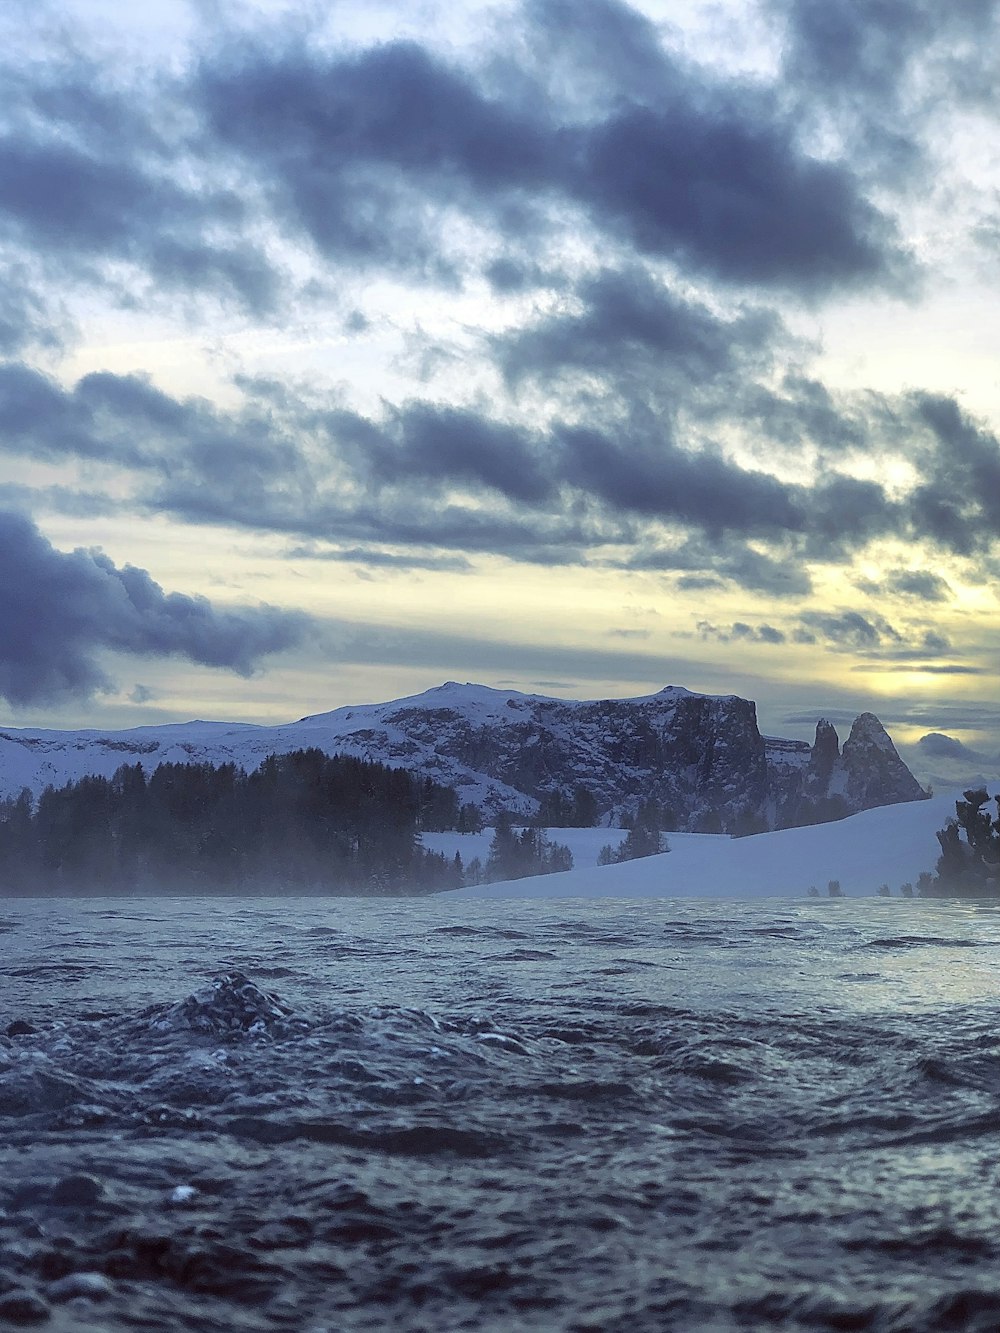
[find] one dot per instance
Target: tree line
(304, 822)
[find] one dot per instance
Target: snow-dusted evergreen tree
(972, 867)
(516, 855)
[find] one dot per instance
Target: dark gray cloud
(78, 212)
(374, 559)
(702, 564)
(286, 463)
(61, 610)
(802, 414)
(699, 582)
(604, 45)
(125, 419)
(726, 193)
(929, 668)
(886, 70)
(741, 631)
(876, 638)
(704, 170)
(581, 121)
(847, 629)
(957, 502)
(884, 646)
(445, 444)
(27, 316)
(632, 324)
(92, 188)
(921, 585)
(354, 149)
(870, 51)
(657, 478)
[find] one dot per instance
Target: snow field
(890, 845)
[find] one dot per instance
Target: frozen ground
(890, 846)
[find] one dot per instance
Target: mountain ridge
(701, 757)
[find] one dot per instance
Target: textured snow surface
(889, 845)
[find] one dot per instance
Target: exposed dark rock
(825, 754)
(875, 773)
(701, 758)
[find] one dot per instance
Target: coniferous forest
(301, 823)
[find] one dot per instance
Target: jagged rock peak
(875, 773)
(827, 741)
(868, 730)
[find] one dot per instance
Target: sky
(579, 348)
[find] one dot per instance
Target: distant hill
(702, 757)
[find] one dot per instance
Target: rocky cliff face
(810, 785)
(701, 757)
(874, 773)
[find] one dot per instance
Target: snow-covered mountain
(701, 756)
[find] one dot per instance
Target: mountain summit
(702, 757)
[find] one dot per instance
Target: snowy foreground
(891, 845)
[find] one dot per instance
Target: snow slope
(889, 845)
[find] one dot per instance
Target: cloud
(889, 74)
(361, 152)
(373, 559)
(83, 201)
(27, 317)
(937, 745)
(847, 630)
(657, 478)
(957, 502)
(463, 479)
(846, 51)
(929, 668)
(126, 420)
(580, 128)
(60, 611)
(467, 657)
(630, 322)
(355, 149)
(449, 445)
(716, 563)
(741, 631)
(725, 192)
(917, 584)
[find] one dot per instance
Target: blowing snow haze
(570, 348)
